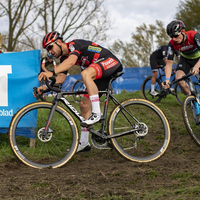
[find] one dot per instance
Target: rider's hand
(43, 87)
(45, 75)
(165, 84)
(194, 70)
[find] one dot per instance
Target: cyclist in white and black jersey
(158, 60)
(47, 63)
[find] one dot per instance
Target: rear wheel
(146, 144)
(146, 88)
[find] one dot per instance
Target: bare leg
(153, 79)
(182, 84)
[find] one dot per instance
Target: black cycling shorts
(155, 63)
(185, 64)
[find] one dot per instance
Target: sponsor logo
(94, 49)
(83, 61)
(186, 47)
(197, 41)
(95, 99)
(170, 52)
(6, 113)
(72, 48)
(110, 62)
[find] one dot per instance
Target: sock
(152, 87)
(95, 104)
(84, 136)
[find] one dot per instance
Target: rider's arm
(66, 64)
(195, 69)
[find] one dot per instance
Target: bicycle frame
(161, 75)
(59, 97)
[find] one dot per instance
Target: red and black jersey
(189, 49)
(87, 52)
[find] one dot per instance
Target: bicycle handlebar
(52, 84)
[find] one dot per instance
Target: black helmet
(50, 37)
(175, 27)
(50, 56)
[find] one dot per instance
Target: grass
(180, 188)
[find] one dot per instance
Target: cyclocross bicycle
(44, 134)
(190, 110)
(162, 93)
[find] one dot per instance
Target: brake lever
(37, 96)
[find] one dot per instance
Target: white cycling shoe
(82, 148)
(94, 118)
(154, 93)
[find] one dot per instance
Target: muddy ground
(103, 174)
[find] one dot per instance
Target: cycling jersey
(158, 56)
(93, 55)
(45, 61)
(189, 49)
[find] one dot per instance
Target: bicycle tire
(189, 118)
(51, 151)
(140, 146)
(78, 86)
(146, 88)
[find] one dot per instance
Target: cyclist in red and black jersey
(188, 43)
(158, 60)
(99, 63)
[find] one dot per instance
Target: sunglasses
(49, 47)
(174, 36)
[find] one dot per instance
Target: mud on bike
(44, 134)
(162, 93)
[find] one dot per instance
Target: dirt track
(103, 174)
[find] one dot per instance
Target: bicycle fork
(47, 130)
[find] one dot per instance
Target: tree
(188, 12)
(143, 43)
(87, 19)
(30, 20)
(20, 19)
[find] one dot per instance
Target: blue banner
(18, 75)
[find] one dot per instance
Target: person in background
(158, 60)
(47, 62)
(98, 65)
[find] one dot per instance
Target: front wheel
(146, 88)
(190, 118)
(146, 130)
(32, 146)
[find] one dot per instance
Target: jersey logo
(184, 48)
(110, 62)
(83, 62)
(94, 49)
